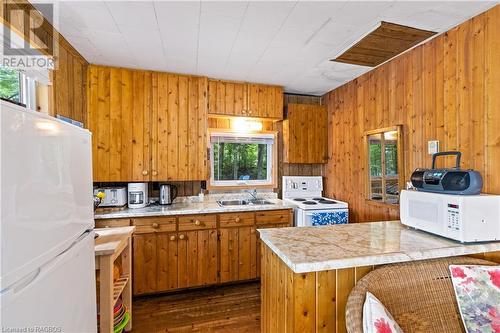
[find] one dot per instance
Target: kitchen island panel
(304, 302)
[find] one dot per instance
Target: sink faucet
(253, 193)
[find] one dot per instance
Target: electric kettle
(167, 194)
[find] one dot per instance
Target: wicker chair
(418, 294)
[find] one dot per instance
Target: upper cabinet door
(245, 99)
(227, 98)
(179, 127)
(119, 109)
(305, 134)
(265, 101)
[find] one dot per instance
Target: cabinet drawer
(111, 223)
(274, 216)
(197, 222)
(236, 219)
(154, 224)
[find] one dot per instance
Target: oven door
(325, 217)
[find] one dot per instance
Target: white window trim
(269, 181)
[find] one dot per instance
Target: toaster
(113, 196)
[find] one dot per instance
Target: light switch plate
(432, 147)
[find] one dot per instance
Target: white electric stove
(311, 208)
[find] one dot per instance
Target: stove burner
(327, 202)
(299, 199)
(310, 203)
(318, 199)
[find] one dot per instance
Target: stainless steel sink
(260, 202)
(244, 202)
(232, 202)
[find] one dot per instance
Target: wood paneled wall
(447, 89)
(68, 91)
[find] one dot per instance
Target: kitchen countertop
(187, 207)
(111, 240)
(312, 249)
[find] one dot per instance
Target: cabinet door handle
(172, 238)
(155, 225)
(197, 222)
(145, 172)
(155, 173)
(181, 237)
(237, 220)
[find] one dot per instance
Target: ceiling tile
(224, 8)
(138, 14)
(88, 15)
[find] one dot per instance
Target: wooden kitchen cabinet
(145, 263)
(176, 252)
(179, 127)
(119, 117)
(167, 270)
(169, 256)
(305, 134)
(228, 98)
(147, 126)
(265, 101)
(238, 253)
(197, 258)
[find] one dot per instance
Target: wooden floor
(234, 308)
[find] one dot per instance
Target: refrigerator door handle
(82, 236)
(23, 283)
(29, 278)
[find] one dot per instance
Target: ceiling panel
(138, 14)
(281, 42)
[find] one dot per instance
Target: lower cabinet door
(238, 254)
(145, 263)
(167, 270)
(197, 258)
(258, 256)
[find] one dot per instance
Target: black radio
(449, 181)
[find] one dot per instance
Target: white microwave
(465, 218)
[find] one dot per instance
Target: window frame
(401, 169)
(27, 91)
(272, 162)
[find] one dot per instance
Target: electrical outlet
(432, 147)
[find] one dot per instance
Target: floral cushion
(376, 318)
(477, 289)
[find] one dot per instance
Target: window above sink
(242, 160)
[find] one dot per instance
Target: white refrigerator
(47, 278)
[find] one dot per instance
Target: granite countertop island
(313, 249)
(191, 205)
(308, 273)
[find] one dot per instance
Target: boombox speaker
(449, 181)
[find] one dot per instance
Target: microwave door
(428, 215)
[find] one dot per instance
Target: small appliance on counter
(113, 196)
(465, 218)
(167, 194)
(138, 195)
(450, 181)
(311, 208)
